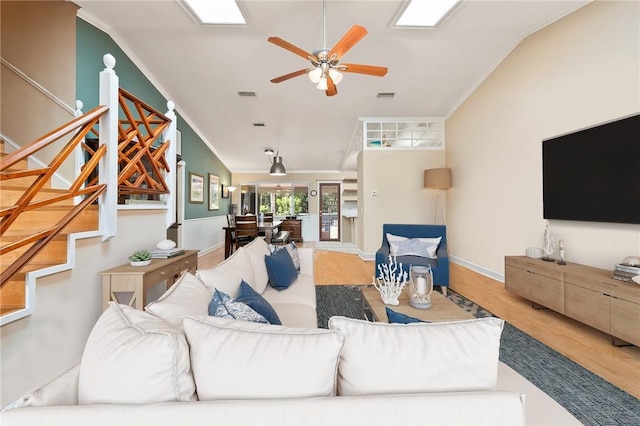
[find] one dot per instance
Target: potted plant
(140, 258)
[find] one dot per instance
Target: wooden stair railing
(32, 200)
(140, 159)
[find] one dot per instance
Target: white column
(170, 135)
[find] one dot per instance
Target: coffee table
(442, 309)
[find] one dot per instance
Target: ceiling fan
(327, 69)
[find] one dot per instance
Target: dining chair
(246, 231)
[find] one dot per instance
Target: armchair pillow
(403, 246)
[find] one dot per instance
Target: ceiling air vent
(258, 125)
(246, 93)
(386, 94)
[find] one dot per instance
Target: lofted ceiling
(202, 69)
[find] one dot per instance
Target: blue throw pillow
(258, 303)
(282, 272)
(222, 306)
(400, 318)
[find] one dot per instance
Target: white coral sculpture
(550, 242)
(391, 281)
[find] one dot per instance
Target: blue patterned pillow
(282, 272)
(400, 318)
(222, 306)
(417, 247)
(258, 303)
(292, 248)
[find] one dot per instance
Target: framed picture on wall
(196, 188)
(225, 191)
(214, 192)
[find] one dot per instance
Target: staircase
(40, 220)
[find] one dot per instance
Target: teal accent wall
(91, 45)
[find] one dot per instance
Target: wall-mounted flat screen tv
(594, 174)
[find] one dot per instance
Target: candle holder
(420, 286)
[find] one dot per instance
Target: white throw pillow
(132, 357)
(243, 360)
(187, 296)
(228, 275)
(257, 250)
(380, 358)
(401, 246)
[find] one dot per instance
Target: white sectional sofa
(174, 364)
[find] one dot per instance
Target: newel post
(170, 135)
(108, 170)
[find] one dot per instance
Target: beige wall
(39, 39)
(577, 72)
(398, 178)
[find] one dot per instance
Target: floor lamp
(437, 179)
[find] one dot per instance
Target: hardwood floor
(586, 346)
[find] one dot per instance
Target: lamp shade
(277, 168)
(437, 178)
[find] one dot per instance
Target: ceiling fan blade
(364, 69)
(290, 75)
(290, 47)
(331, 88)
(348, 40)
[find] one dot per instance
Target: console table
(584, 293)
(138, 279)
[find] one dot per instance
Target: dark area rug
(591, 399)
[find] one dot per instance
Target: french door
(329, 211)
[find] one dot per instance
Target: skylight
(221, 12)
(426, 13)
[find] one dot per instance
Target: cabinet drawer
(516, 280)
(540, 267)
(547, 291)
(593, 282)
(624, 291)
(587, 306)
(625, 320)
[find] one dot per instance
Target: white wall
(578, 72)
(43, 345)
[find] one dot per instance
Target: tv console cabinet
(584, 293)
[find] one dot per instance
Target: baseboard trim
(477, 268)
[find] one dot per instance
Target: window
(281, 198)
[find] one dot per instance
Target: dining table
(266, 226)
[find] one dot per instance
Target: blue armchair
(439, 266)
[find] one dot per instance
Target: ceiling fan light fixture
(315, 74)
(335, 75)
(322, 84)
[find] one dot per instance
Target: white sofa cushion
(242, 360)
(228, 275)
(187, 296)
(132, 357)
(302, 291)
(257, 250)
(380, 358)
